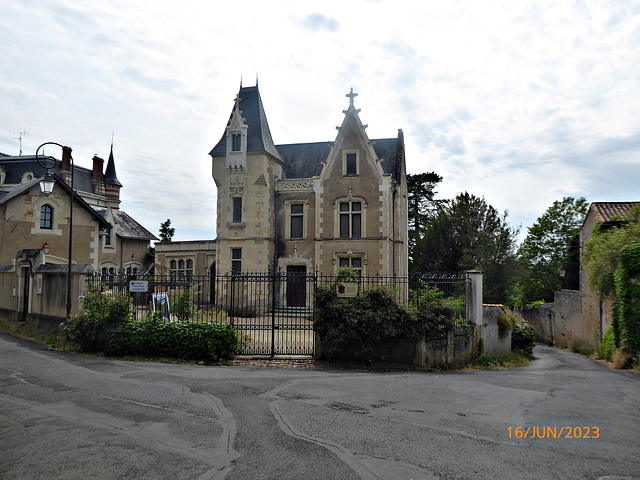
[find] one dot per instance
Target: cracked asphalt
(68, 416)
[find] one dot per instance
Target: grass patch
(495, 362)
(22, 330)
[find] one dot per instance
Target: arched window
(189, 269)
(46, 217)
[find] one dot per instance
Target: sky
(519, 102)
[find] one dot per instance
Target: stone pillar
(474, 297)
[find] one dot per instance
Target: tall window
(46, 217)
(350, 219)
(173, 266)
(189, 270)
(354, 263)
(236, 261)
(237, 209)
(236, 142)
(352, 164)
(107, 237)
(297, 220)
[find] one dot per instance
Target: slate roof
(258, 134)
(110, 177)
(304, 160)
(16, 167)
(85, 268)
(300, 160)
(605, 211)
(126, 227)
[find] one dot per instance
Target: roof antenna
(240, 81)
(112, 133)
(19, 137)
(256, 79)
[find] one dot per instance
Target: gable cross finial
(351, 96)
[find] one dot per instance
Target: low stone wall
(458, 345)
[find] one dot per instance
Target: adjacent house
(35, 231)
(597, 313)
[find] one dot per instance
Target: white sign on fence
(138, 286)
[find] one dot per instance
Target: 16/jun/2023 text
(554, 432)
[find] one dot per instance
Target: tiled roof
(605, 211)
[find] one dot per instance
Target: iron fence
(272, 312)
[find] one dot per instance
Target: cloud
(318, 22)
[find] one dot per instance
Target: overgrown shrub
(506, 322)
(607, 346)
(186, 340)
(577, 345)
(100, 312)
(356, 328)
(523, 338)
(434, 310)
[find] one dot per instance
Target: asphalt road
(67, 416)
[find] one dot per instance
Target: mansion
(303, 207)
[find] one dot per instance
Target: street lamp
(46, 186)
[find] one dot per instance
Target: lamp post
(46, 185)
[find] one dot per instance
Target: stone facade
(308, 207)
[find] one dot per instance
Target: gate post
(474, 297)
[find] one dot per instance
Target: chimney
(97, 175)
(65, 169)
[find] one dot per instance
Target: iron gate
(271, 312)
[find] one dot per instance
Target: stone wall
(559, 322)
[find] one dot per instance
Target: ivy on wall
(627, 288)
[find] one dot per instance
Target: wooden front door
(296, 286)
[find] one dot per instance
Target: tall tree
(166, 231)
(468, 234)
(422, 205)
(549, 255)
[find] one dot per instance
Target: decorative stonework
(294, 186)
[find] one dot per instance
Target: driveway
(68, 416)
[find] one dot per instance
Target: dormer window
(350, 164)
(236, 142)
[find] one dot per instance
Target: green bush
(100, 312)
(186, 340)
(506, 322)
(183, 305)
(354, 328)
(435, 311)
(523, 338)
(577, 345)
(607, 346)
(357, 328)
